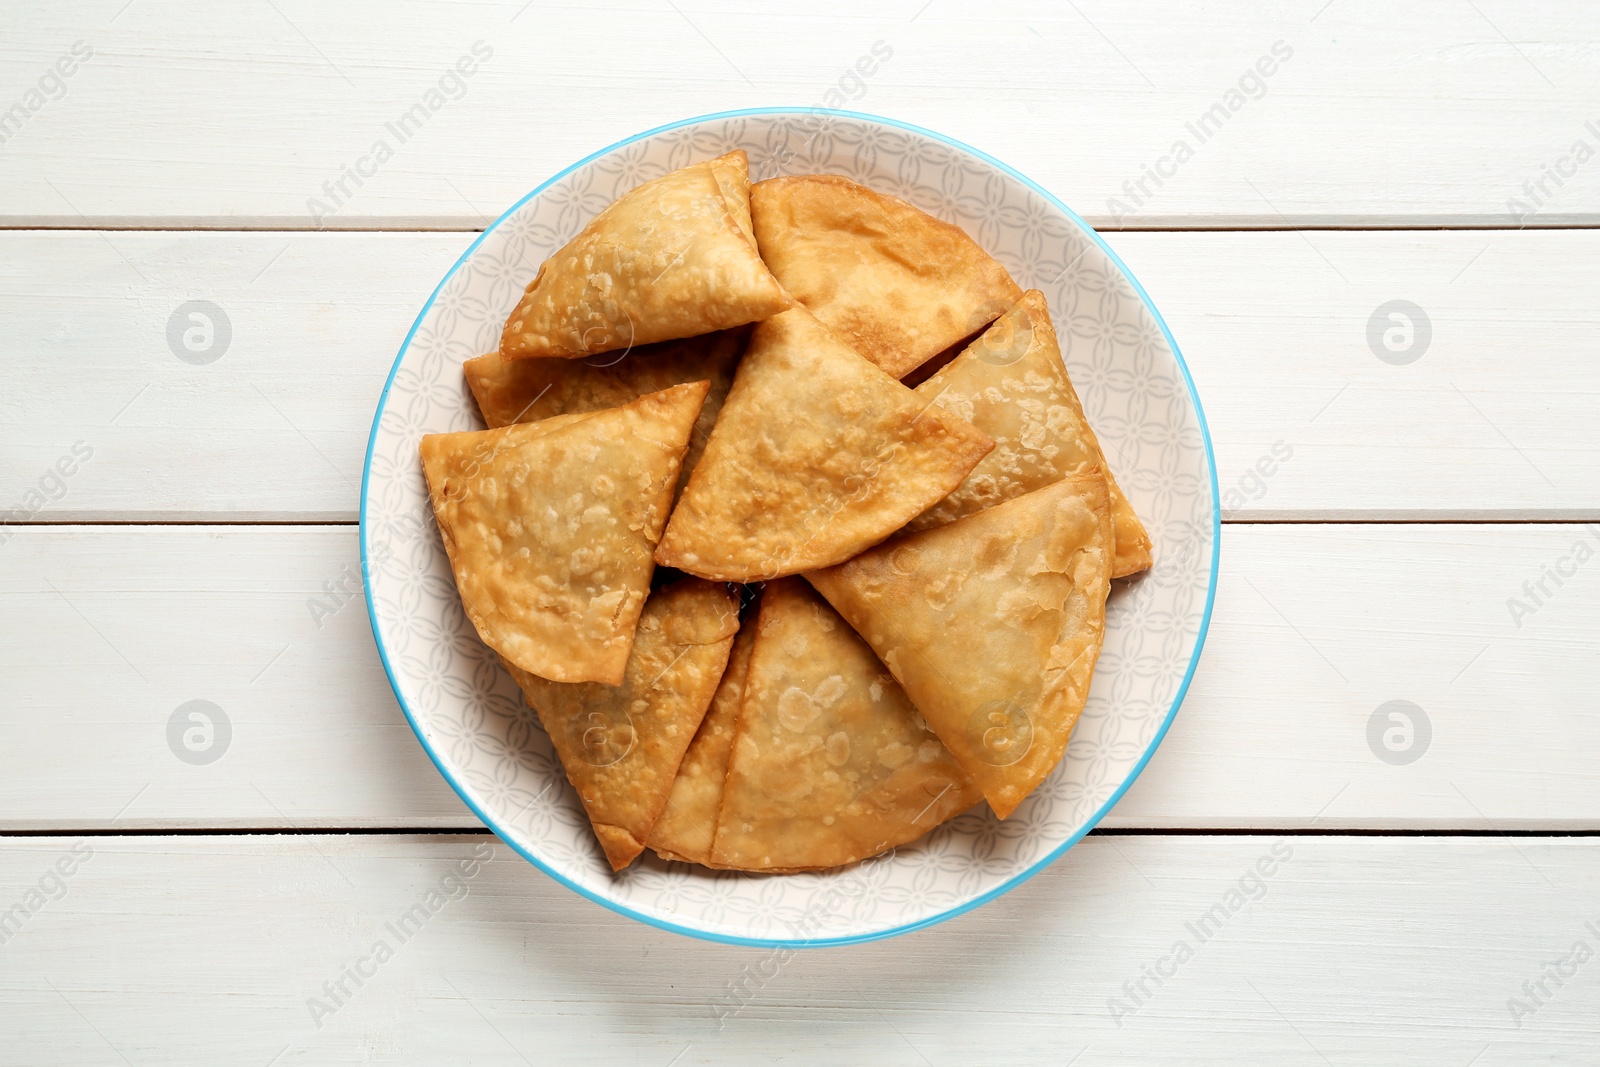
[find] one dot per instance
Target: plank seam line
(1136, 831)
(235, 227)
(1379, 521)
(1239, 831)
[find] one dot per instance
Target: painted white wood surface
(1494, 420)
(1357, 950)
(1429, 113)
(106, 631)
(204, 949)
(274, 428)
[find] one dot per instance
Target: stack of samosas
(778, 609)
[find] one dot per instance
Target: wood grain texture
(127, 188)
(274, 428)
(1494, 420)
(135, 621)
(1430, 114)
(1351, 951)
(106, 631)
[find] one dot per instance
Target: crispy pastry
(669, 259)
(1011, 384)
(732, 173)
(817, 454)
(896, 283)
(551, 526)
(689, 822)
(527, 390)
(621, 745)
(831, 763)
(993, 625)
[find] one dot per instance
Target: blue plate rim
(960, 909)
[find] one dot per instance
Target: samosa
(689, 822)
(993, 625)
(1011, 384)
(816, 455)
(831, 763)
(672, 258)
(897, 284)
(551, 527)
(527, 390)
(621, 745)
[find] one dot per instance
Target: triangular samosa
(621, 745)
(1011, 384)
(689, 822)
(669, 259)
(817, 454)
(993, 624)
(732, 172)
(831, 763)
(527, 390)
(551, 527)
(896, 283)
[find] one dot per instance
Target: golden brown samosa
(993, 625)
(527, 390)
(896, 283)
(689, 822)
(817, 454)
(732, 172)
(621, 745)
(669, 259)
(1011, 384)
(831, 763)
(551, 527)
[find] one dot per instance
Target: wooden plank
(274, 427)
(245, 931)
(134, 623)
(106, 632)
(1436, 114)
(1482, 410)
(1493, 420)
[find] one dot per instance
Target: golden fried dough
(817, 454)
(669, 259)
(732, 173)
(993, 625)
(551, 530)
(689, 822)
(896, 283)
(621, 745)
(527, 390)
(831, 763)
(1011, 384)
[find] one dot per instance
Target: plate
(1134, 385)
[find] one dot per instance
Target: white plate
(1138, 394)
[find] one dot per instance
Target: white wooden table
(181, 508)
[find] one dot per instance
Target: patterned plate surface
(1138, 394)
